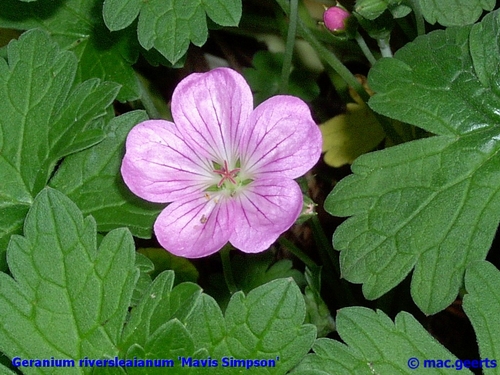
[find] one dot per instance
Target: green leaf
(44, 118)
(163, 260)
(376, 345)
(371, 9)
(6, 371)
(169, 25)
(264, 78)
(145, 267)
(182, 322)
(85, 175)
(317, 310)
(432, 204)
(251, 271)
(454, 12)
(156, 325)
(66, 298)
(77, 25)
(266, 324)
(482, 304)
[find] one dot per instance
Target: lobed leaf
(432, 204)
(482, 304)
(77, 25)
(454, 12)
(376, 345)
(44, 118)
(180, 321)
(85, 175)
(266, 324)
(66, 298)
(169, 25)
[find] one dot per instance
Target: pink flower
(335, 17)
(226, 169)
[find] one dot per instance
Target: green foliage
(145, 266)
(371, 9)
(169, 25)
(251, 272)
(69, 299)
(163, 260)
(84, 175)
(266, 324)
(317, 310)
(454, 12)
(44, 118)
(482, 304)
(66, 298)
(431, 204)
(77, 25)
(264, 78)
(376, 345)
(444, 12)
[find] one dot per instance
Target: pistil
(227, 174)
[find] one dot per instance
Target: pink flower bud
(334, 18)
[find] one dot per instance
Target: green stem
(226, 268)
(290, 43)
(419, 18)
(327, 56)
(332, 276)
(364, 48)
(324, 245)
(297, 252)
(341, 70)
(407, 29)
(385, 47)
(146, 100)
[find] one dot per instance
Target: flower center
(226, 174)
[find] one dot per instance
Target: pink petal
(194, 228)
(263, 211)
(280, 138)
(210, 109)
(159, 166)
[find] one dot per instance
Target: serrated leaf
(156, 328)
(169, 25)
(77, 25)
(482, 304)
(145, 267)
(160, 304)
(265, 324)
(431, 204)
(67, 299)
(85, 175)
(44, 118)
(454, 12)
(376, 345)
